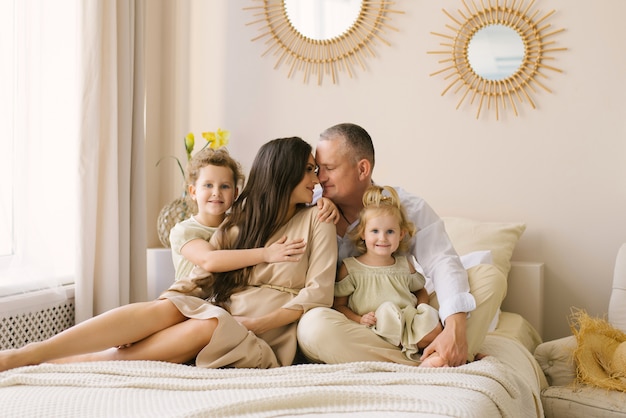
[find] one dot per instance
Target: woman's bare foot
(434, 360)
(5, 360)
(10, 359)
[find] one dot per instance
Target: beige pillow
(499, 237)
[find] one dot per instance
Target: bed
(507, 382)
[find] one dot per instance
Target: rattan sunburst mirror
(531, 36)
(318, 55)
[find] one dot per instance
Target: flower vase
(172, 213)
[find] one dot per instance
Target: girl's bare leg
(176, 344)
(119, 326)
(430, 337)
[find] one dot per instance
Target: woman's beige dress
(300, 285)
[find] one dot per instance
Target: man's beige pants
(327, 336)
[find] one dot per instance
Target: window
(38, 143)
(7, 47)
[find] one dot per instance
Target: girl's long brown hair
(262, 206)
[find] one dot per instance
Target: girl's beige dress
(301, 285)
(181, 234)
(388, 291)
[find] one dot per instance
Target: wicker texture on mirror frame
(322, 57)
(536, 36)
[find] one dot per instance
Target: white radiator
(35, 316)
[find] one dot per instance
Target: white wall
(561, 168)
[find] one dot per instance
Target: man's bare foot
(434, 360)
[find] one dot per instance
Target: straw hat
(600, 355)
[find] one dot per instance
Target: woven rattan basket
(172, 213)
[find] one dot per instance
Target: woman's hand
(120, 347)
(274, 319)
(283, 250)
(247, 322)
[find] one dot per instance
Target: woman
(264, 302)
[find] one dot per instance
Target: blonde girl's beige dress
(388, 291)
(301, 285)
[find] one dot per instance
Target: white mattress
(505, 383)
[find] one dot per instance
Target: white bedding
(505, 383)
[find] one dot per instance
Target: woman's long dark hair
(262, 206)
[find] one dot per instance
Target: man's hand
(328, 211)
(451, 344)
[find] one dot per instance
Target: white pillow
(475, 258)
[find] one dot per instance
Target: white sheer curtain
(38, 131)
(111, 226)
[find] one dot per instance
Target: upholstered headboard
(525, 292)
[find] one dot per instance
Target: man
(345, 156)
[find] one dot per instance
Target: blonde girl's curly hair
(377, 201)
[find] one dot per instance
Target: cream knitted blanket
(486, 388)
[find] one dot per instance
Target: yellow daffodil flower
(209, 136)
(217, 139)
(222, 138)
(214, 140)
(189, 144)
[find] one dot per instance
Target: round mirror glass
(496, 52)
(322, 19)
